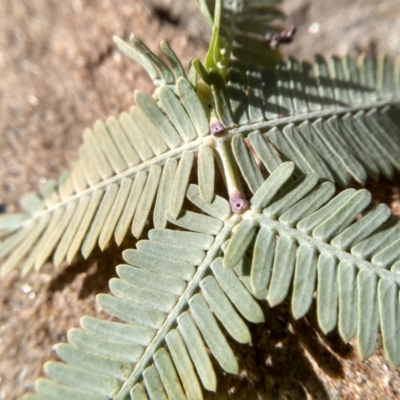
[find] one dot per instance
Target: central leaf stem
(237, 200)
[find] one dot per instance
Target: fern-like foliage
(282, 135)
(239, 32)
(335, 120)
(341, 127)
(175, 286)
(340, 124)
(125, 165)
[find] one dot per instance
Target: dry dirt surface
(60, 71)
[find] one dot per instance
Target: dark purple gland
(238, 203)
(217, 129)
(284, 37)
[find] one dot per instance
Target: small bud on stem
(284, 37)
(216, 128)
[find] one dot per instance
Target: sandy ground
(59, 71)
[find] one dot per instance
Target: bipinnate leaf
(296, 112)
(177, 301)
(200, 275)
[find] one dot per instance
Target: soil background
(60, 71)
